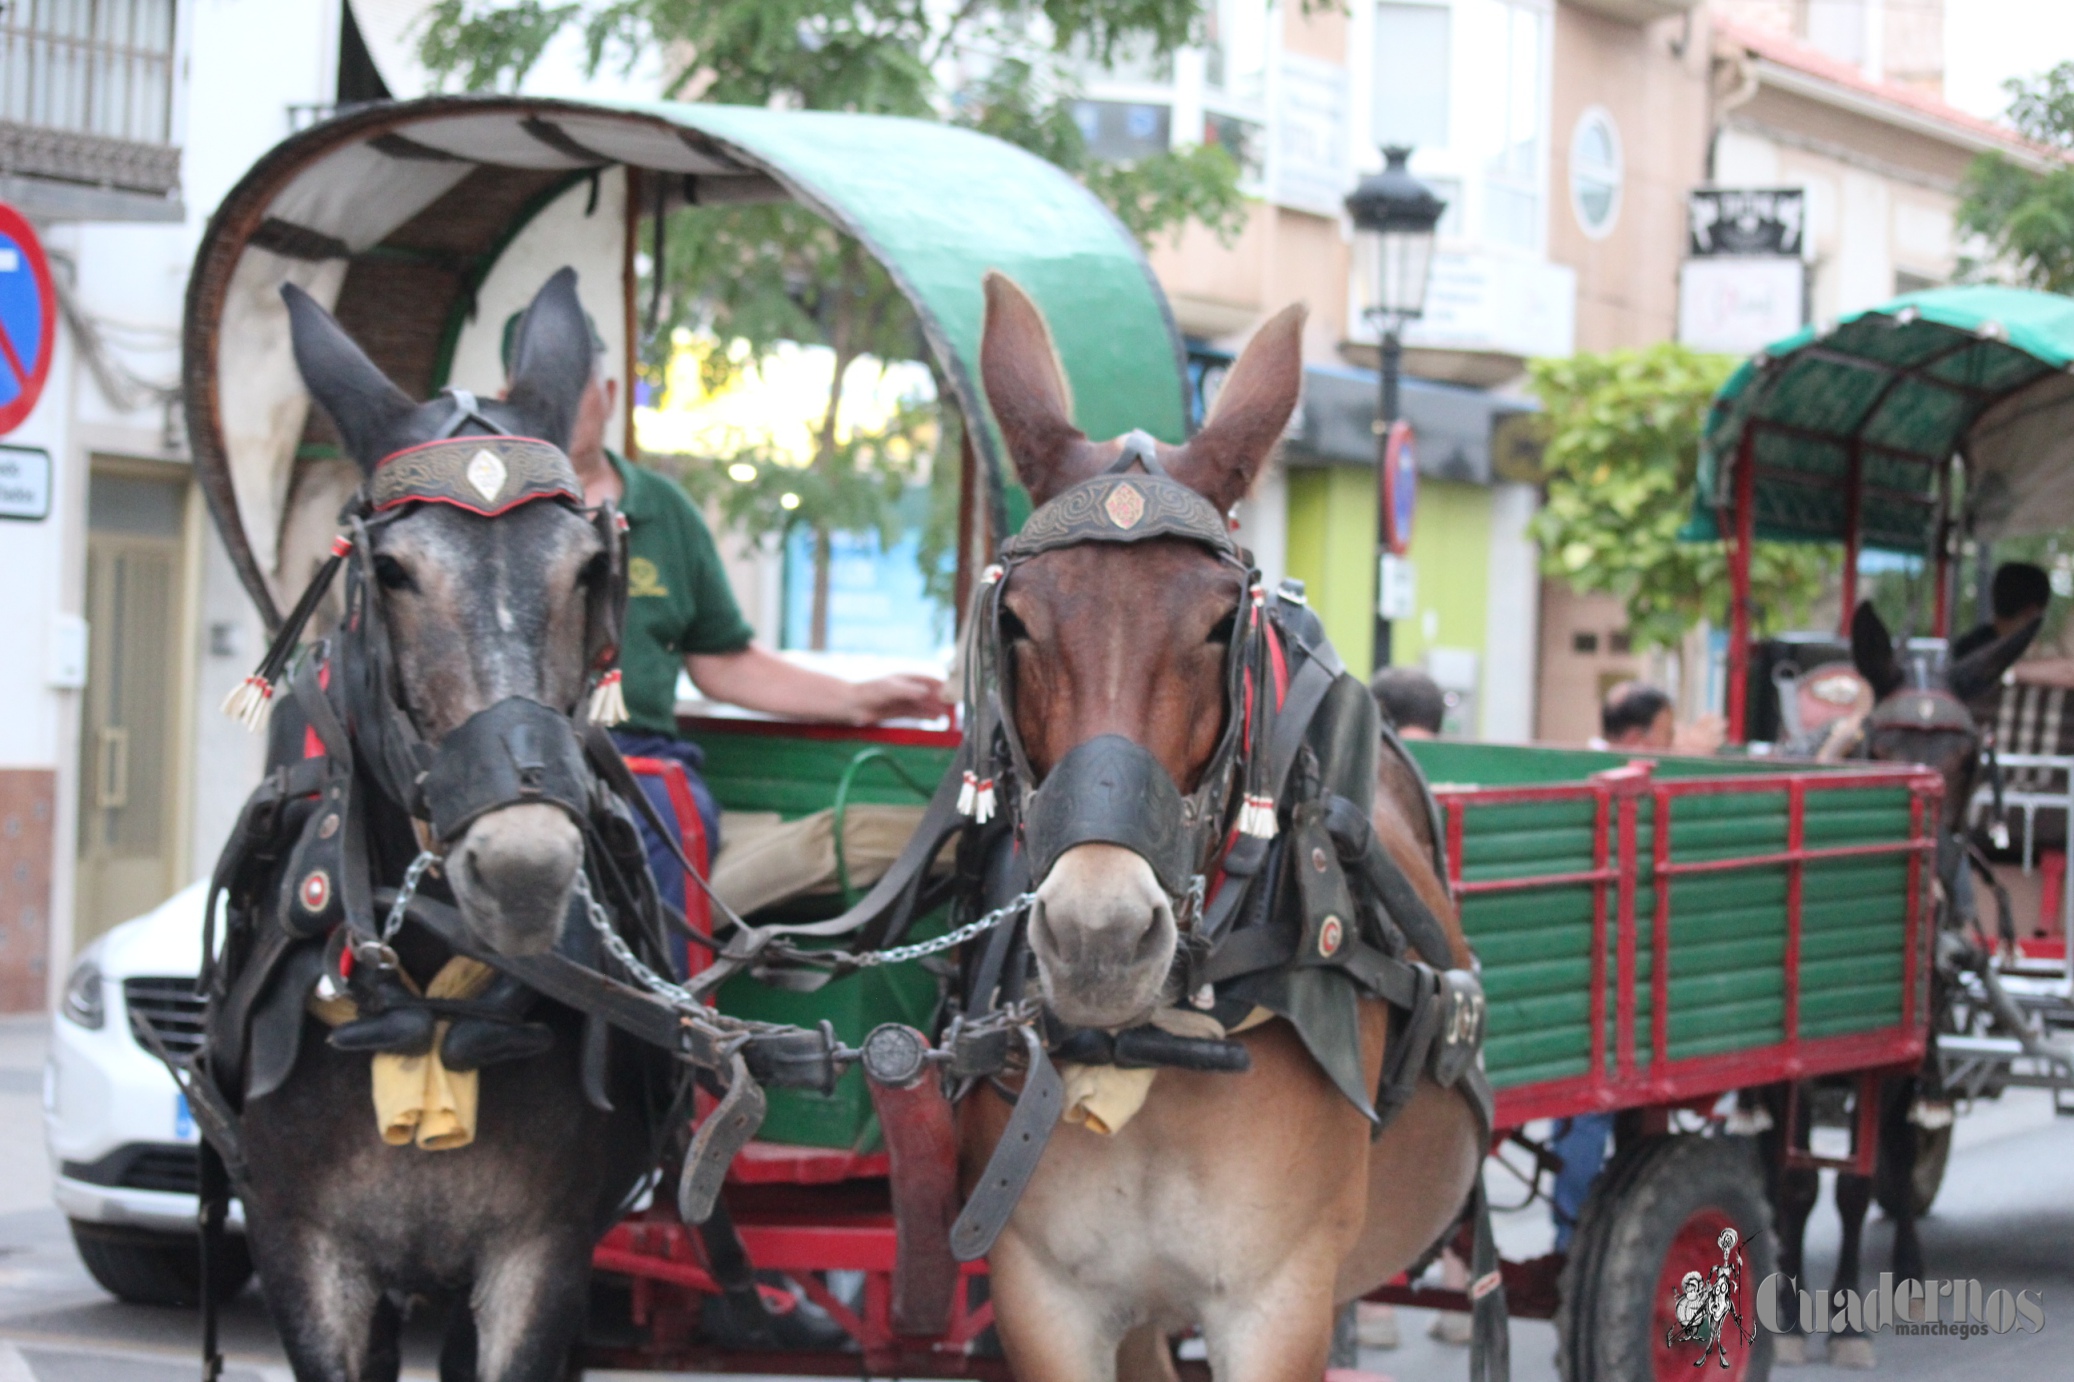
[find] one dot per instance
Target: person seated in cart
(681, 613)
(1410, 700)
(1636, 715)
(2018, 594)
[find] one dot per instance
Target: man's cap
(508, 347)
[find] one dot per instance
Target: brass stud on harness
(1330, 934)
(315, 891)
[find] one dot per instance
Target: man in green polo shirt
(681, 613)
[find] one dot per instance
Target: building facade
(121, 127)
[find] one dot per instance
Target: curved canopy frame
(395, 216)
(1850, 432)
(1851, 435)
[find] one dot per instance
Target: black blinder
(516, 751)
(1111, 790)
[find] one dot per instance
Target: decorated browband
(484, 475)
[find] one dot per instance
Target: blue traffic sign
(28, 318)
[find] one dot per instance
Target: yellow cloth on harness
(1102, 1098)
(416, 1098)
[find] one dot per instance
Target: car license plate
(183, 1120)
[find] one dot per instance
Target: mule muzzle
(1103, 933)
(516, 752)
(1111, 791)
(506, 794)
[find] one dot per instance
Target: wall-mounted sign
(1309, 167)
(1746, 220)
(1400, 487)
(28, 318)
(1740, 305)
(24, 482)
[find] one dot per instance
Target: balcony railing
(86, 92)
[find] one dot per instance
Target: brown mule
(1253, 1204)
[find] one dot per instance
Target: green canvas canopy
(1849, 432)
(424, 224)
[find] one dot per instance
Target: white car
(118, 1128)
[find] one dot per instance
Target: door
(128, 783)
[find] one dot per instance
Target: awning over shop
(1454, 426)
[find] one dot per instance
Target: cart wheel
(1660, 1212)
(1933, 1153)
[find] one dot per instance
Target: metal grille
(164, 1168)
(171, 1007)
(93, 67)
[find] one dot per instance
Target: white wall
(242, 63)
(1512, 603)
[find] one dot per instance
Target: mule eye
(595, 571)
(1012, 628)
(1222, 631)
(391, 573)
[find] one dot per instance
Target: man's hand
(902, 697)
(758, 679)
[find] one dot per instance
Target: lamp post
(1394, 217)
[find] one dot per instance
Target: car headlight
(83, 1001)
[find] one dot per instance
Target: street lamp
(1394, 217)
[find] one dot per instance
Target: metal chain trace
(900, 954)
(398, 909)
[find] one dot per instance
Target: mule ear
(1221, 461)
(1872, 651)
(1974, 673)
(361, 402)
(1028, 391)
(551, 360)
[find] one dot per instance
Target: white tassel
(248, 701)
(608, 703)
(1257, 817)
(976, 798)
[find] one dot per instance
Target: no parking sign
(28, 318)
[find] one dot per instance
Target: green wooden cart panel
(1727, 929)
(754, 769)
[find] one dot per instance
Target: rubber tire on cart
(146, 1268)
(1657, 1212)
(1933, 1154)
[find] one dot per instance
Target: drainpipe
(1744, 91)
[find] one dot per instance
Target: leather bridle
(1111, 789)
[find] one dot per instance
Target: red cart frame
(804, 1211)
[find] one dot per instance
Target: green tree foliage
(2026, 217)
(1622, 455)
(767, 274)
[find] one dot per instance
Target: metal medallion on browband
(1111, 790)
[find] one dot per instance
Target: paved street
(2006, 1216)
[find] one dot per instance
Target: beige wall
(1282, 256)
(1627, 283)
(1573, 682)
(1220, 292)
